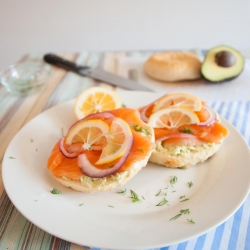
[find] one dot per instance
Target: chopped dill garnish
(11, 157)
(143, 197)
(110, 206)
(190, 184)
(134, 197)
(140, 129)
(173, 191)
(124, 105)
(163, 202)
(173, 181)
(186, 130)
(183, 211)
(191, 221)
(158, 193)
(81, 204)
(55, 191)
(140, 149)
(175, 217)
(122, 191)
(183, 198)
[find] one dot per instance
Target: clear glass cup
(25, 77)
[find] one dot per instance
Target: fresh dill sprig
(140, 129)
(141, 150)
(183, 211)
(173, 181)
(163, 202)
(122, 191)
(186, 130)
(158, 193)
(55, 191)
(183, 198)
(175, 217)
(134, 197)
(191, 221)
(190, 184)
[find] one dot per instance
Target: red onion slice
(212, 117)
(187, 139)
(176, 135)
(143, 114)
(66, 153)
(90, 170)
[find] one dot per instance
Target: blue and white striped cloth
(233, 234)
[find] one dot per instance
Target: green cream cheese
(183, 150)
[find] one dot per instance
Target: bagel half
(183, 156)
(91, 185)
(136, 160)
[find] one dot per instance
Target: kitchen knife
(95, 73)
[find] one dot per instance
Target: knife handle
(62, 63)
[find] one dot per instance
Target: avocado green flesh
(214, 73)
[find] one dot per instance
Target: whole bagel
(173, 66)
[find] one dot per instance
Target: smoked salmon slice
(60, 166)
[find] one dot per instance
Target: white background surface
(35, 26)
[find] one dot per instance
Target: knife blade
(95, 73)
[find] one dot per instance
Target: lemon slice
(118, 141)
(179, 100)
(96, 99)
(172, 117)
(92, 133)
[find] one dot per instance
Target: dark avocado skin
(210, 58)
(221, 81)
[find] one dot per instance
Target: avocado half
(222, 63)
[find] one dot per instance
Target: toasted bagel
(183, 156)
(173, 66)
(68, 173)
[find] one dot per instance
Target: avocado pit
(225, 59)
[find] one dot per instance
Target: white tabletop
(30, 26)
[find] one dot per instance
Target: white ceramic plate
(110, 220)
